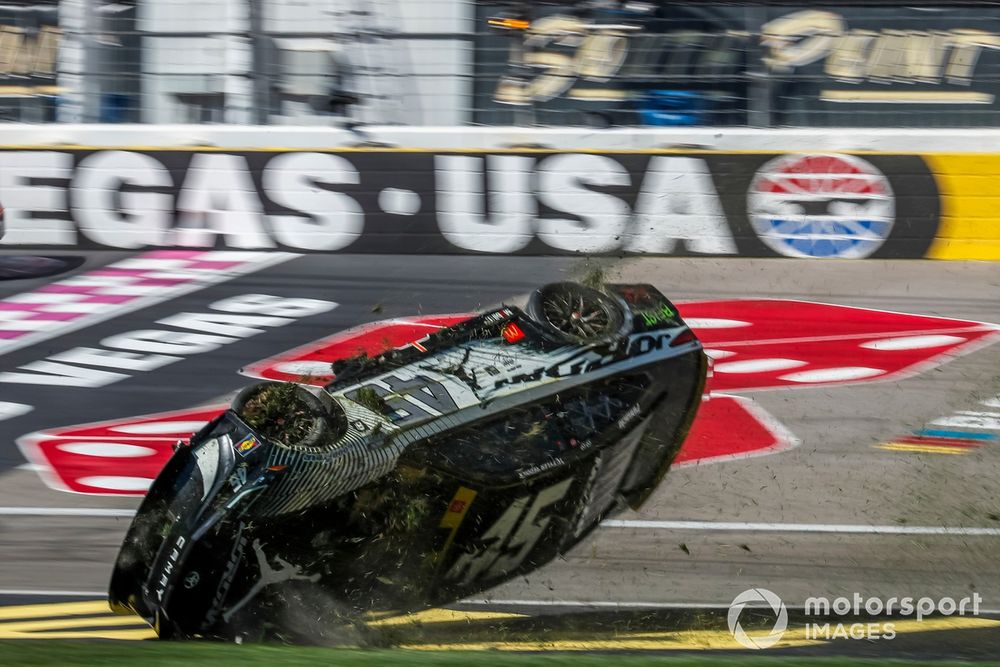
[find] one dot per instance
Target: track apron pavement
(836, 476)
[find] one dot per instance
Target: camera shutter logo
(821, 206)
(757, 597)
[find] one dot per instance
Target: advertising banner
(766, 64)
(825, 205)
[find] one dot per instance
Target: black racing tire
(327, 422)
(577, 314)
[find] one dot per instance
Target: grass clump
(278, 412)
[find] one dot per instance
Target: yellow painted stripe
(922, 449)
(127, 635)
(690, 641)
(703, 640)
(53, 609)
(442, 616)
(70, 623)
(970, 205)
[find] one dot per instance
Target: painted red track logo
(756, 344)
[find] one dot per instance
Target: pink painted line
(28, 307)
(161, 282)
(9, 334)
(107, 298)
(206, 264)
(172, 254)
(58, 288)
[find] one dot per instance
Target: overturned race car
(416, 477)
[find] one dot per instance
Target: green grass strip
(155, 653)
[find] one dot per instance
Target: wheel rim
(577, 315)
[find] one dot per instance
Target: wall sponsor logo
(891, 54)
(821, 206)
(908, 55)
(531, 203)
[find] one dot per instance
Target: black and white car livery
(418, 476)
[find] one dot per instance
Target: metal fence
(456, 62)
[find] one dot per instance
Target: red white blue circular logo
(821, 206)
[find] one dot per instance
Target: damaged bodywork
(419, 476)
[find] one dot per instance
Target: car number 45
(511, 538)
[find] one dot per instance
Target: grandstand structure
(763, 63)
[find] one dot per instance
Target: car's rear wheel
(576, 313)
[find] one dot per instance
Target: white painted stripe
(10, 410)
(43, 297)
(801, 528)
(65, 511)
(14, 324)
(87, 280)
(80, 594)
(623, 523)
(628, 604)
(151, 263)
(599, 603)
(129, 290)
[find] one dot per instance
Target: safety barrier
(768, 202)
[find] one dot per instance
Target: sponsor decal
(246, 445)
(498, 316)
(268, 575)
(163, 580)
(512, 333)
(226, 581)
(457, 508)
(502, 203)
(454, 516)
(658, 315)
(540, 468)
(821, 206)
(630, 415)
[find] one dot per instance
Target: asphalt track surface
(778, 509)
